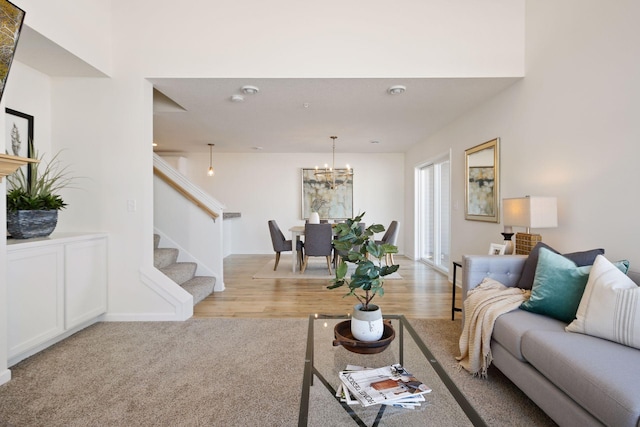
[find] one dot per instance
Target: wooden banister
(184, 193)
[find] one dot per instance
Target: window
(433, 224)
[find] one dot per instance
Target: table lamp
(529, 212)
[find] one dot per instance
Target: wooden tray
(344, 337)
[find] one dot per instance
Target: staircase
(183, 273)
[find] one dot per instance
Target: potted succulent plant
(33, 201)
(357, 246)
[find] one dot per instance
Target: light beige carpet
(207, 372)
(316, 269)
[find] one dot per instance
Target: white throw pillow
(610, 306)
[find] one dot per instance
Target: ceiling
(292, 115)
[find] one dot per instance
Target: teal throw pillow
(558, 286)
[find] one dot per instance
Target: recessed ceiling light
(237, 98)
(396, 90)
(249, 90)
(155, 144)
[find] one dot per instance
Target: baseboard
(145, 317)
(37, 349)
(5, 376)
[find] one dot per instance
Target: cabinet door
(86, 281)
(35, 296)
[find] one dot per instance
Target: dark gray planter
(28, 224)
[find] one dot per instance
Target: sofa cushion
(509, 328)
(558, 286)
(610, 306)
(530, 265)
(600, 375)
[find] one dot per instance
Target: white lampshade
(531, 212)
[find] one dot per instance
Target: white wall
(332, 38)
(268, 186)
(568, 129)
(81, 27)
(29, 91)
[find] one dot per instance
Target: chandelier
(331, 176)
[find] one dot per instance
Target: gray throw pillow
(529, 269)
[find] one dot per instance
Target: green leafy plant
(359, 247)
(35, 186)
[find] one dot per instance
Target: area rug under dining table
(316, 269)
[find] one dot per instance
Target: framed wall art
(330, 203)
(19, 128)
(482, 182)
(12, 18)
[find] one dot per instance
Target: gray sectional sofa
(578, 380)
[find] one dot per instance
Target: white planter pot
(367, 325)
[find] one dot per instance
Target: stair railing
(188, 190)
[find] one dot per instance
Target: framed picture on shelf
(497, 249)
(19, 128)
(330, 203)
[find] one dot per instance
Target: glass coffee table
(445, 404)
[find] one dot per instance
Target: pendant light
(331, 176)
(211, 172)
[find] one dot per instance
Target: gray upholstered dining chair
(318, 241)
(390, 236)
(280, 244)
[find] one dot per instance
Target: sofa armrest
(506, 269)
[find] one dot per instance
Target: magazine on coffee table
(387, 385)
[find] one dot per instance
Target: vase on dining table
(314, 218)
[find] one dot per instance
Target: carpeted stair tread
(199, 287)
(180, 272)
(183, 273)
(164, 257)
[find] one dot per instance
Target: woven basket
(28, 224)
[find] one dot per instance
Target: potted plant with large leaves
(33, 201)
(357, 246)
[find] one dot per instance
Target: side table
(456, 264)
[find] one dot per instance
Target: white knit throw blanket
(483, 305)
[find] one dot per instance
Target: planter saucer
(343, 337)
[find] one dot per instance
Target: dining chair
(280, 244)
(318, 241)
(390, 236)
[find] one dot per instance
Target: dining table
(296, 232)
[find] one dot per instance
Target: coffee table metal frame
(404, 325)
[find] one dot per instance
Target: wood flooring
(422, 293)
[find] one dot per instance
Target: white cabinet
(85, 296)
(35, 282)
(56, 286)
